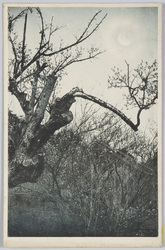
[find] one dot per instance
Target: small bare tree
(141, 84)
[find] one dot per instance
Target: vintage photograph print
(82, 125)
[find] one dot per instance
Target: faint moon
(125, 38)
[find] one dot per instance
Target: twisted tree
(33, 78)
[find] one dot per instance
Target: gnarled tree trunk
(26, 162)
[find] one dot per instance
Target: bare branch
(66, 63)
(108, 106)
(16, 63)
(42, 32)
(13, 47)
(33, 94)
(24, 39)
(12, 20)
(82, 38)
(128, 83)
(142, 86)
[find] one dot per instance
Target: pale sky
(126, 34)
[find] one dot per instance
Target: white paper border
(85, 241)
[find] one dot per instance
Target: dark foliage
(88, 188)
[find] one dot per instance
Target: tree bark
(27, 161)
(24, 168)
